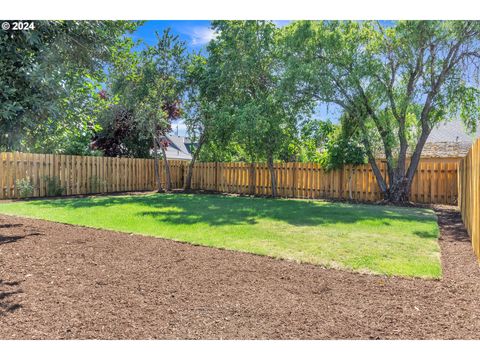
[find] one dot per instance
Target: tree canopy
(50, 78)
(395, 83)
(246, 70)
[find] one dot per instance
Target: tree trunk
(399, 192)
(156, 165)
(371, 160)
(272, 176)
(168, 182)
(417, 154)
(188, 181)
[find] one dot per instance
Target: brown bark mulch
(65, 282)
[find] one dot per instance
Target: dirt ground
(65, 282)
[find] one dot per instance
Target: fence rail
(434, 182)
(469, 194)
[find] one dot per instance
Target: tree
(395, 83)
(343, 148)
(312, 136)
(198, 114)
(121, 135)
(153, 93)
(209, 122)
(247, 73)
(50, 77)
(341, 145)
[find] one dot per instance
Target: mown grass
(367, 238)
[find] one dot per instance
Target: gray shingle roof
(452, 131)
(177, 149)
(449, 139)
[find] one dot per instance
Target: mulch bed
(65, 282)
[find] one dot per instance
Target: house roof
(177, 148)
(452, 131)
(449, 139)
(446, 140)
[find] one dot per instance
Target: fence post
(182, 174)
(294, 180)
(340, 187)
(216, 176)
(251, 179)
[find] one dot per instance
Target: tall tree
(197, 116)
(49, 82)
(153, 93)
(395, 83)
(208, 122)
(245, 62)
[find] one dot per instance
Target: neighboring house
(449, 140)
(179, 148)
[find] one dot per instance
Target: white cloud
(201, 35)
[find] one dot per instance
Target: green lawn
(376, 239)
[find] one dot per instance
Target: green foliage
(50, 78)
(230, 152)
(340, 150)
(251, 98)
(152, 91)
(395, 83)
(245, 80)
(202, 112)
(306, 147)
(53, 186)
(24, 187)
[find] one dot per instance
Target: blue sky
(197, 34)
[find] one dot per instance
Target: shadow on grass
(426, 234)
(217, 210)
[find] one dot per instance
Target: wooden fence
(469, 194)
(76, 175)
(434, 182)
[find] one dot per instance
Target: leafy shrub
(340, 150)
(53, 186)
(24, 187)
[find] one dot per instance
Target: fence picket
(469, 194)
